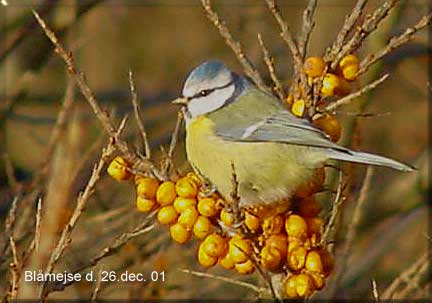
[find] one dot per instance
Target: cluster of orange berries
(279, 242)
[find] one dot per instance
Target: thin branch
(308, 25)
(97, 286)
(269, 61)
(8, 229)
(375, 291)
(394, 43)
(236, 47)
(38, 224)
(139, 117)
(347, 27)
(347, 99)
(14, 268)
(259, 290)
(102, 115)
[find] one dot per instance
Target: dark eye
(205, 92)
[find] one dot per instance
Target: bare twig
(168, 163)
(394, 43)
(308, 25)
(139, 117)
(97, 286)
(236, 47)
(10, 174)
(375, 291)
(352, 228)
(369, 25)
(102, 115)
(405, 277)
(14, 268)
(9, 226)
(347, 27)
(347, 99)
(38, 224)
(268, 59)
(258, 290)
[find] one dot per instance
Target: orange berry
(314, 66)
(309, 207)
(179, 233)
(226, 218)
(272, 225)
(298, 107)
(207, 207)
(204, 259)
(314, 262)
(279, 242)
(193, 177)
(214, 245)
(294, 243)
(145, 205)
(330, 125)
(271, 258)
(227, 262)
(343, 89)
(318, 280)
(327, 262)
(330, 83)
(315, 226)
(304, 285)
(147, 187)
(186, 188)
(348, 60)
(291, 286)
(313, 186)
(202, 227)
(252, 222)
(165, 194)
(296, 226)
(297, 258)
(181, 204)
(245, 268)
(188, 218)
(167, 215)
(118, 169)
(290, 100)
(239, 249)
(350, 72)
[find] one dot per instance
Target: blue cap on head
(207, 75)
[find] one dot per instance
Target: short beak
(180, 101)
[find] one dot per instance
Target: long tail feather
(366, 158)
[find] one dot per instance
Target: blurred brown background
(161, 41)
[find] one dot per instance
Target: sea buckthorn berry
(296, 226)
(207, 207)
(214, 245)
(186, 188)
(348, 60)
(330, 83)
(330, 125)
(327, 262)
(245, 268)
(194, 178)
(147, 187)
(290, 99)
(179, 233)
(239, 249)
(271, 258)
(202, 227)
(118, 169)
(252, 222)
(318, 280)
(166, 194)
(291, 286)
(350, 72)
(304, 285)
(314, 262)
(343, 89)
(181, 204)
(294, 243)
(298, 107)
(188, 218)
(144, 204)
(314, 185)
(167, 215)
(226, 218)
(272, 225)
(309, 207)
(297, 258)
(315, 226)
(314, 66)
(279, 242)
(227, 262)
(204, 259)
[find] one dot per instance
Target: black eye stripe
(206, 92)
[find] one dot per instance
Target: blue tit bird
(231, 123)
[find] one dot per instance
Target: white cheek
(212, 102)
